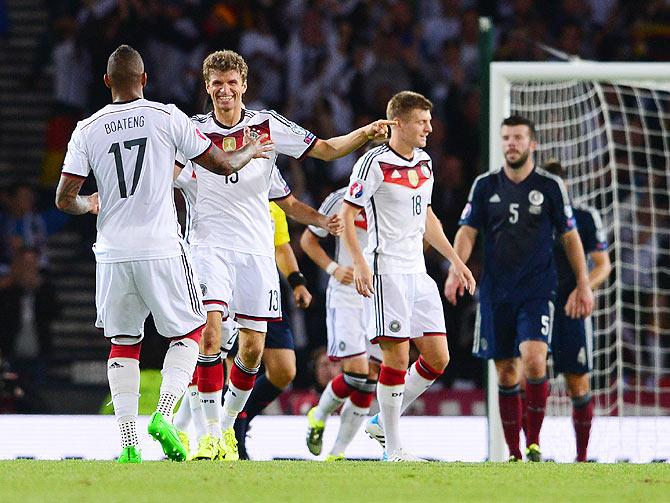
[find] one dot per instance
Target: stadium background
(328, 65)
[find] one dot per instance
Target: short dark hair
(125, 66)
(520, 120)
(404, 102)
(554, 167)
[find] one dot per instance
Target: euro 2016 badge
(413, 177)
(229, 144)
(356, 190)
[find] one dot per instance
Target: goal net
(609, 126)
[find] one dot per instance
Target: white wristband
(332, 267)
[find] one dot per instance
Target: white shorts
(125, 293)
(404, 306)
(347, 338)
(241, 284)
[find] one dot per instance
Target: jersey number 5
(116, 150)
(514, 213)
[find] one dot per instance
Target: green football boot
(130, 454)
(314, 433)
(168, 436)
(228, 446)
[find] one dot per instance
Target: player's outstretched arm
(69, 200)
(305, 214)
(580, 301)
(434, 234)
(288, 266)
(339, 146)
(362, 272)
(226, 163)
(309, 242)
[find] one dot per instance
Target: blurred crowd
(329, 65)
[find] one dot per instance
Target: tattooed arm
(69, 200)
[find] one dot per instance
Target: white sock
(328, 403)
(390, 404)
(211, 407)
(233, 403)
(197, 415)
(351, 419)
(124, 384)
(415, 385)
(178, 368)
(182, 418)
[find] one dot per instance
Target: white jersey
(395, 193)
(338, 294)
(131, 149)
(233, 212)
(188, 187)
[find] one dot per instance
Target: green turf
(282, 481)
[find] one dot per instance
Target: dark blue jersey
(593, 239)
(519, 221)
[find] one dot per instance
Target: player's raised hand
(335, 225)
(260, 145)
(344, 274)
(379, 130)
(363, 279)
(302, 297)
(95, 203)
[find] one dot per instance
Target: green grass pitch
(284, 481)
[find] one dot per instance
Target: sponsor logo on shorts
(483, 344)
(203, 288)
(356, 190)
(394, 326)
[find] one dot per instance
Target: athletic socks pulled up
(582, 416)
(510, 416)
(390, 390)
(537, 391)
(242, 380)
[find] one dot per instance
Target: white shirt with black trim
(130, 147)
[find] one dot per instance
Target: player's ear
(244, 87)
(143, 79)
(107, 81)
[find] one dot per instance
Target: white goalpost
(609, 125)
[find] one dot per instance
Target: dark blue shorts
(501, 327)
(571, 343)
(278, 336)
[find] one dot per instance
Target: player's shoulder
(487, 178)
(585, 213)
(371, 159)
(421, 154)
(547, 177)
(202, 118)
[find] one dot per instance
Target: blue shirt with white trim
(518, 222)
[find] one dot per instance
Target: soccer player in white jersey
(347, 338)
(232, 237)
(142, 265)
(393, 183)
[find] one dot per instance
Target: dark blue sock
(263, 394)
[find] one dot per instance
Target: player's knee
(535, 367)
(282, 377)
(250, 353)
(210, 342)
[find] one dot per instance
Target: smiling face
(226, 90)
(413, 129)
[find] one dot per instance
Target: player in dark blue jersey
(571, 342)
(519, 209)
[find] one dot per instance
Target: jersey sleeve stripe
(333, 199)
(474, 185)
(280, 198)
(307, 150)
(365, 169)
(561, 185)
(72, 175)
(597, 221)
(211, 144)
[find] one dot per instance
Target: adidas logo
(495, 198)
(179, 343)
(116, 365)
(396, 174)
(233, 393)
